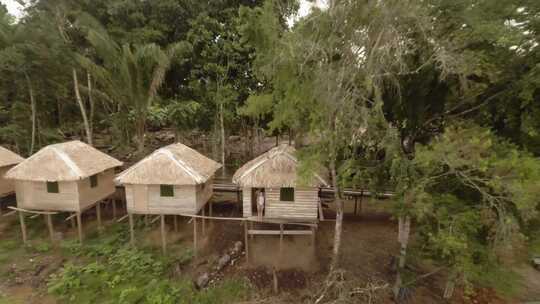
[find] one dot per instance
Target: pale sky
(13, 7)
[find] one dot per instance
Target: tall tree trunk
(141, 130)
(81, 107)
(339, 217)
(404, 230)
(92, 106)
(222, 134)
(33, 112)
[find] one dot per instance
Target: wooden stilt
(210, 208)
(146, 220)
(175, 217)
(131, 230)
(163, 235)
(280, 240)
(114, 209)
(251, 228)
(98, 215)
(275, 279)
(48, 218)
(79, 227)
(355, 204)
(246, 241)
(23, 226)
(361, 202)
(313, 236)
(194, 236)
(203, 221)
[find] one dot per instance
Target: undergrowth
(106, 270)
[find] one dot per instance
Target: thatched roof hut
(8, 159)
(275, 168)
(70, 176)
(276, 174)
(69, 161)
(172, 180)
(176, 164)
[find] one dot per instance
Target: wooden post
(251, 228)
(73, 222)
(280, 240)
(98, 215)
(313, 236)
(146, 221)
(23, 226)
(48, 217)
(361, 201)
(114, 209)
(131, 230)
(246, 240)
(175, 217)
(79, 227)
(355, 204)
(210, 208)
(163, 235)
(274, 277)
(194, 236)
(203, 221)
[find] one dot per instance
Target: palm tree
(130, 75)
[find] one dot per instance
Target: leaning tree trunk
(33, 110)
(404, 229)
(92, 106)
(339, 218)
(81, 107)
(222, 135)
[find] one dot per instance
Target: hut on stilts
(173, 180)
(288, 198)
(8, 160)
(67, 177)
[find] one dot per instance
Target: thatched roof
(273, 169)
(8, 158)
(67, 161)
(175, 164)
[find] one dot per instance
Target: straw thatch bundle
(273, 169)
(175, 164)
(8, 158)
(67, 161)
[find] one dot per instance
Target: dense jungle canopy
(435, 100)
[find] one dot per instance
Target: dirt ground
(369, 243)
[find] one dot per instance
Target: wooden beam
(175, 217)
(163, 235)
(123, 218)
(23, 226)
(79, 227)
(210, 207)
(12, 212)
(246, 241)
(131, 230)
(71, 217)
(155, 219)
(278, 232)
(48, 218)
(31, 211)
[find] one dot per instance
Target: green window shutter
(166, 190)
(93, 181)
(52, 187)
(286, 194)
